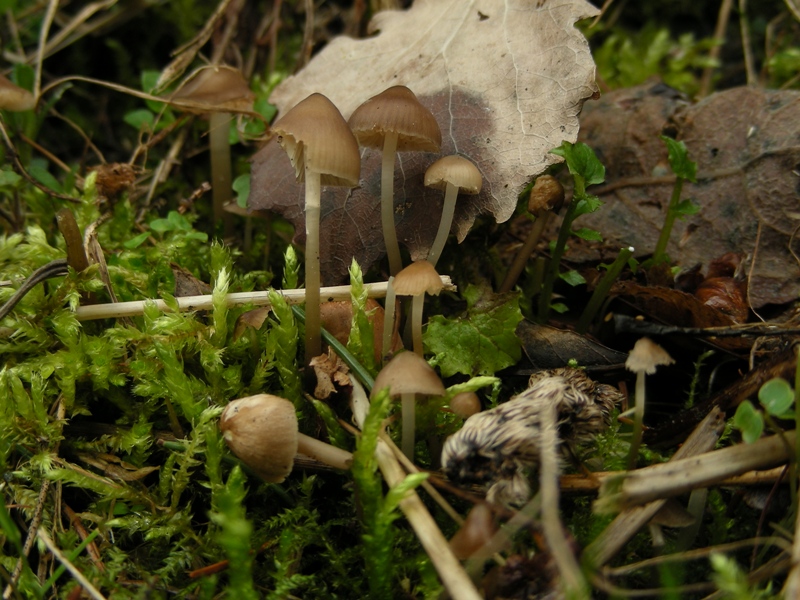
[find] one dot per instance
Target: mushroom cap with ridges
(15, 98)
(215, 89)
(646, 356)
(396, 110)
(261, 431)
(455, 170)
(315, 134)
(418, 278)
(408, 373)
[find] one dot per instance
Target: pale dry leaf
(506, 82)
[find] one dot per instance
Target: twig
(719, 37)
(26, 548)
(79, 577)
(52, 7)
(55, 268)
(134, 308)
(749, 61)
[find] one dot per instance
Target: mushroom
(261, 431)
(14, 98)
(394, 121)
(218, 91)
(544, 201)
(407, 375)
(478, 528)
(415, 280)
(323, 151)
(465, 404)
(643, 360)
(453, 174)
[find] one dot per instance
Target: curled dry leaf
(744, 141)
(506, 82)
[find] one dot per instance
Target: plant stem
(417, 304)
(389, 316)
(638, 420)
(409, 423)
(387, 203)
(521, 259)
(659, 253)
(561, 243)
(313, 317)
(221, 179)
(601, 291)
(448, 210)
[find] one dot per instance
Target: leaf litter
(506, 82)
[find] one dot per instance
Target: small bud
(547, 194)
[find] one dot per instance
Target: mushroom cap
(315, 136)
(455, 170)
(396, 110)
(15, 98)
(261, 431)
(547, 193)
(416, 279)
(478, 529)
(646, 356)
(465, 404)
(408, 373)
(215, 89)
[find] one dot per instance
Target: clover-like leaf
(481, 342)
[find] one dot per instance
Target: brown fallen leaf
(745, 143)
(506, 82)
(549, 348)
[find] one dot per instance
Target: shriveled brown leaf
(549, 348)
(745, 143)
(505, 80)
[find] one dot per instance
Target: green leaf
(587, 204)
(679, 160)
(137, 241)
(481, 342)
(776, 396)
(9, 178)
(587, 234)
(687, 208)
(241, 185)
(582, 161)
(43, 176)
(572, 277)
(140, 117)
(749, 421)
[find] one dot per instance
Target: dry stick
(627, 523)
(26, 548)
(79, 577)
(524, 253)
(719, 37)
(749, 61)
(574, 584)
(451, 573)
(134, 308)
(581, 484)
(679, 476)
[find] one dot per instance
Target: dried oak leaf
(506, 82)
(746, 142)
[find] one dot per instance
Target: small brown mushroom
(217, 91)
(407, 376)
(478, 528)
(465, 404)
(14, 98)
(394, 121)
(417, 279)
(453, 174)
(323, 151)
(261, 431)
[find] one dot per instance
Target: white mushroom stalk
(448, 211)
(387, 203)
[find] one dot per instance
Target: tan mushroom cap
(396, 110)
(315, 134)
(455, 170)
(547, 193)
(418, 278)
(261, 431)
(215, 89)
(15, 98)
(646, 356)
(408, 373)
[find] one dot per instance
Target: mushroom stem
(389, 315)
(416, 322)
(313, 317)
(638, 420)
(220, 149)
(324, 453)
(409, 422)
(387, 203)
(521, 259)
(448, 210)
